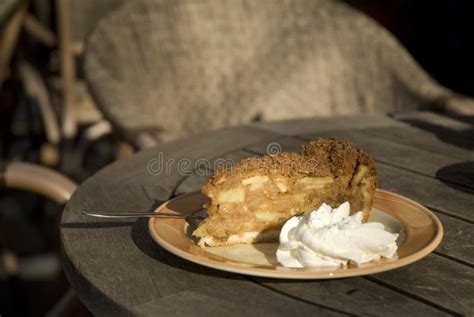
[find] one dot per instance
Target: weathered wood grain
(427, 191)
(302, 126)
(434, 279)
(436, 119)
(230, 301)
(191, 184)
(458, 240)
(368, 297)
(426, 140)
(159, 170)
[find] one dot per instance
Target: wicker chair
(186, 66)
(50, 184)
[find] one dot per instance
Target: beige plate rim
(298, 273)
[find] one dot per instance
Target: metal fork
(121, 215)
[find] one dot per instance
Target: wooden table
(116, 268)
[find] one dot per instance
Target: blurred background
(49, 117)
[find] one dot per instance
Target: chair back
(187, 66)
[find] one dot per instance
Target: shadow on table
(459, 176)
(460, 138)
(145, 243)
(460, 173)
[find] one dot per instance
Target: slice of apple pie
(251, 201)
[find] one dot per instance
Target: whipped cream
(328, 238)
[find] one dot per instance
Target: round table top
(116, 268)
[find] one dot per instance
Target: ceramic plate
(420, 232)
